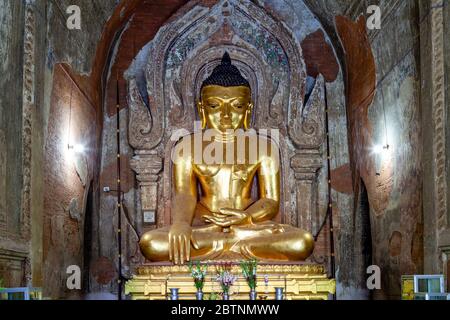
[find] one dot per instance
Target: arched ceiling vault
(326, 12)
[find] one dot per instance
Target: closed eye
(238, 104)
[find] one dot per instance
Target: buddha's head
(225, 102)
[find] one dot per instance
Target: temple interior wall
(393, 180)
(405, 232)
(11, 255)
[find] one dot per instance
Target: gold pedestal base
(299, 282)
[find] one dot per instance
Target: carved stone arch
(169, 35)
(156, 66)
(176, 62)
(297, 68)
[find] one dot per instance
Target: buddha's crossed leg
(258, 241)
(207, 243)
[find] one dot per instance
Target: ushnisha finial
(226, 75)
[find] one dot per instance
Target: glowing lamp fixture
(73, 148)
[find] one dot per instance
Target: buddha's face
(225, 108)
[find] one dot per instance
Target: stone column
(148, 166)
(27, 116)
(306, 165)
(435, 134)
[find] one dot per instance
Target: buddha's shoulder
(268, 149)
(184, 145)
(268, 143)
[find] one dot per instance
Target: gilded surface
(300, 282)
(224, 220)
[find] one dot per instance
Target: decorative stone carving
(146, 270)
(311, 133)
(439, 111)
(148, 165)
(306, 165)
(141, 121)
(439, 114)
(27, 116)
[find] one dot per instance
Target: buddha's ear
(248, 117)
(201, 114)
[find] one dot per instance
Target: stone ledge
(301, 268)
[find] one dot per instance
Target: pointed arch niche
(164, 82)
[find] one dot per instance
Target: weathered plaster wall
(65, 179)
(86, 53)
(77, 47)
(321, 57)
(11, 55)
(393, 178)
(360, 92)
(326, 11)
(67, 175)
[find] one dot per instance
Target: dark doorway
(366, 231)
(87, 242)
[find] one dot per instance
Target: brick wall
(148, 18)
(72, 120)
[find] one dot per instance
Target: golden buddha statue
(214, 213)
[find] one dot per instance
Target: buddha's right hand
(180, 243)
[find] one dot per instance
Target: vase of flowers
(249, 272)
(226, 279)
(198, 273)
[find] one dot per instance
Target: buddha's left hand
(229, 217)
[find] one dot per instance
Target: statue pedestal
(299, 282)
